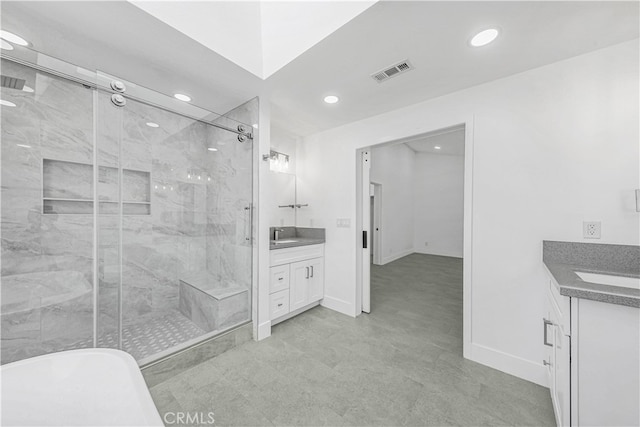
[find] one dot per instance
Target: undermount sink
(606, 279)
(277, 242)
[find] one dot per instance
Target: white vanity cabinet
(593, 361)
(558, 341)
(296, 280)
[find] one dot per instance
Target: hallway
(400, 365)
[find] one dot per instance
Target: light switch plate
(343, 222)
(591, 229)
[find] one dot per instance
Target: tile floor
(400, 365)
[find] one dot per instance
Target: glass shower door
(174, 225)
(47, 221)
(125, 215)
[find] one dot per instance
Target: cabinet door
(316, 280)
(548, 351)
(553, 364)
(561, 397)
(299, 285)
(551, 325)
(606, 338)
(560, 367)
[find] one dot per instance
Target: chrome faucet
(276, 233)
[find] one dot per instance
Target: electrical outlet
(591, 229)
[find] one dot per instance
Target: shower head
(12, 82)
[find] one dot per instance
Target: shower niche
(67, 189)
(124, 225)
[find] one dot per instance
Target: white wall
(438, 204)
(393, 167)
(552, 147)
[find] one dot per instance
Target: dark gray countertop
(291, 237)
(563, 259)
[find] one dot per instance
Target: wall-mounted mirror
(282, 210)
(285, 204)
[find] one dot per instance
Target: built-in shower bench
(210, 304)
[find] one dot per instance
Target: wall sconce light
(278, 162)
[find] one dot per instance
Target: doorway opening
(425, 214)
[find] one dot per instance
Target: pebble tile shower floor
(400, 365)
(149, 338)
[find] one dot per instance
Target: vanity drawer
(279, 278)
(279, 304)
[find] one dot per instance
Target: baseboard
(338, 305)
(264, 330)
(438, 253)
(294, 313)
(510, 364)
(396, 256)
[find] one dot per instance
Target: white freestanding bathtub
(89, 387)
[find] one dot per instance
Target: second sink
(607, 279)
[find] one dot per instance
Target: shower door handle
(248, 222)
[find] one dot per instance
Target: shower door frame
(56, 68)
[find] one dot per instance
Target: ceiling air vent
(392, 71)
(12, 82)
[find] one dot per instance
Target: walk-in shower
(126, 217)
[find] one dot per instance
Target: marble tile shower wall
(229, 221)
(55, 122)
(184, 212)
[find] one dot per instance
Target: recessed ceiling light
(212, 149)
(10, 37)
(5, 45)
(7, 103)
(182, 97)
(437, 147)
(153, 125)
(331, 99)
(484, 37)
(26, 88)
